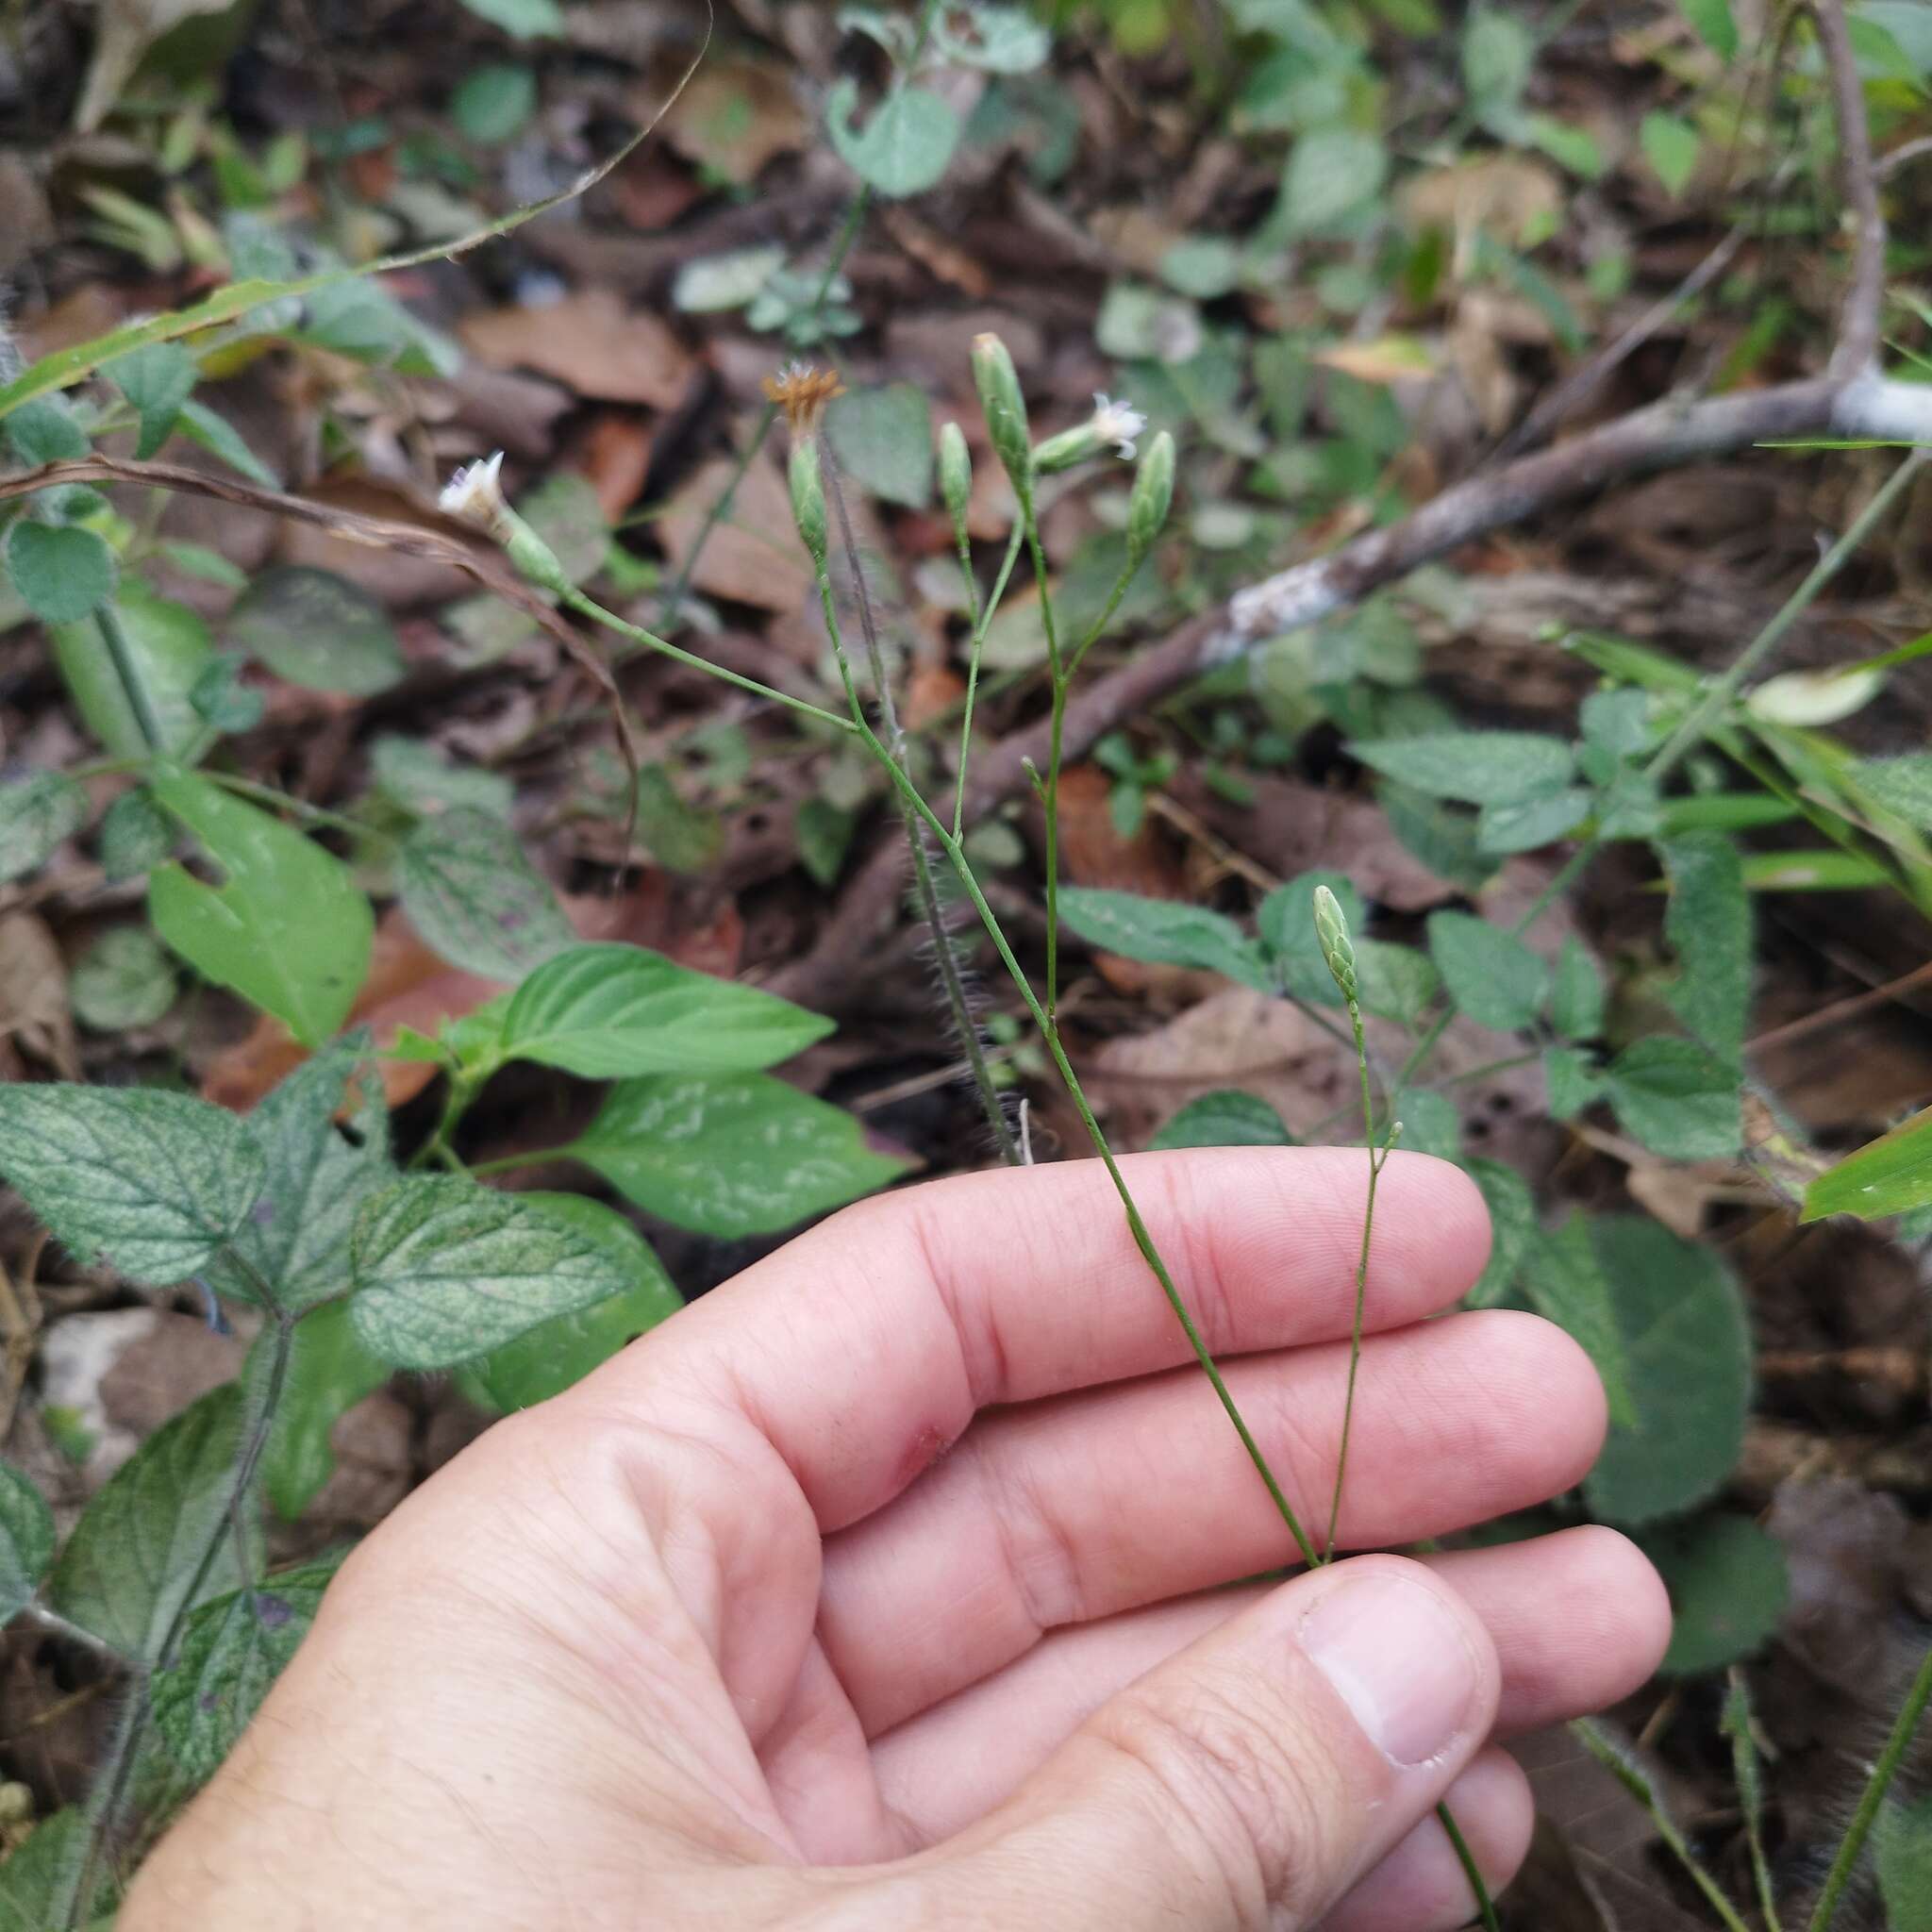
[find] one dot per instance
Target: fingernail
(1400, 1659)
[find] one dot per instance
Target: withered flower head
(803, 391)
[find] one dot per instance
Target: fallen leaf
(754, 556)
(1389, 359)
(591, 342)
(615, 453)
(736, 115)
(33, 993)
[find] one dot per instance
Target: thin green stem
(1747, 1773)
(504, 1162)
(589, 606)
(982, 620)
(314, 814)
(1361, 1279)
(459, 1092)
(1852, 1845)
(1050, 790)
(1485, 1905)
(140, 700)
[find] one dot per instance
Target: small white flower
(1117, 423)
(475, 493)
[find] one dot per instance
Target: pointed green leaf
(39, 1878)
(220, 437)
(1902, 1851)
(1678, 1099)
(471, 895)
(44, 431)
(287, 929)
(330, 1371)
(1566, 1283)
(168, 651)
(149, 1183)
(1225, 1118)
(35, 816)
(1491, 974)
(552, 1356)
(27, 1541)
(1891, 1174)
(1162, 932)
(1512, 1227)
(1899, 785)
(1707, 923)
(1671, 147)
(318, 630)
(1577, 993)
(1526, 824)
(135, 1557)
(1570, 1080)
(1727, 1585)
(1475, 767)
(883, 441)
(157, 380)
(1718, 30)
(740, 1154)
(1331, 172)
(607, 1012)
(62, 572)
(445, 1270)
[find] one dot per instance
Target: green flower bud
(535, 561)
(1338, 951)
(956, 473)
(998, 383)
(1153, 493)
(808, 498)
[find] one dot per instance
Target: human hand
(882, 1587)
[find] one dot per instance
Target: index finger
(863, 1349)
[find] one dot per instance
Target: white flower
(475, 493)
(1117, 423)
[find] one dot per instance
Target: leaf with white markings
(477, 900)
(1163, 932)
(27, 1541)
(331, 1369)
(150, 1183)
(35, 815)
(906, 145)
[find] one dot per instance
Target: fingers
(1579, 1620)
(1068, 1511)
(1255, 1777)
(864, 1348)
(1421, 1886)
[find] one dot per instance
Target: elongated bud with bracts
(808, 498)
(476, 495)
(955, 475)
(998, 383)
(1153, 493)
(1113, 425)
(1338, 951)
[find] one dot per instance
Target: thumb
(1251, 1779)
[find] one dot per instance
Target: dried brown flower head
(803, 391)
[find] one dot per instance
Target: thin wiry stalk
(1738, 1721)
(981, 620)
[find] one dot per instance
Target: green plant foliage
(443, 1270)
(1494, 767)
(475, 899)
(1164, 933)
(35, 816)
(1571, 1082)
(124, 978)
(522, 20)
(1715, 25)
(44, 431)
(550, 1357)
(286, 928)
(904, 148)
(146, 1183)
(1671, 147)
(331, 1369)
(741, 1154)
(1526, 824)
(883, 441)
(1902, 1845)
(134, 1560)
(62, 571)
(609, 1011)
(167, 651)
(1512, 1227)
(1331, 172)
(1727, 1585)
(1491, 974)
(1430, 1123)
(495, 102)
(296, 1238)
(1576, 992)
(1891, 1174)
(1677, 1098)
(317, 630)
(232, 1650)
(157, 380)
(421, 781)
(1707, 923)
(1687, 1350)
(1226, 1118)
(27, 1541)
(38, 1879)
(1563, 1276)
(679, 837)
(221, 439)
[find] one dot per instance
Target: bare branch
(1857, 329)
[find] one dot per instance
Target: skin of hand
(897, 1583)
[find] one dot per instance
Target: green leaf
(475, 898)
(495, 102)
(1491, 974)
(1902, 1851)
(44, 431)
(169, 651)
(563, 509)
(1162, 932)
(1528, 823)
(824, 831)
(1576, 992)
(1901, 785)
(1473, 767)
(62, 572)
(1286, 918)
(157, 380)
(522, 20)
(1707, 923)
(445, 1269)
(1671, 147)
(1498, 51)
(1727, 1585)
(149, 1183)
(1442, 838)
(741, 1154)
(607, 1012)
(135, 837)
(1687, 1348)
(1712, 21)
(1571, 147)
(27, 1541)
(1512, 1227)
(419, 777)
(1566, 1282)
(1397, 982)
(1572, 1081)
(1225, 1118)
(232, 1650)
(681, 838)
(221, 439)
(124, 978)
(318, 1177)
(559, 1352)
(904, 148)
(1331, 172)
(1891, 1174)
(1430, 1123)
(35, 816)
(317, 630)
(133, 1559)
(287, 929)
(330, 1371)
(995, 40)
(714, 283)
(40, 1878)
(883, 441)
(1677, 1098)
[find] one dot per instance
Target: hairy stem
(1362, 1277)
